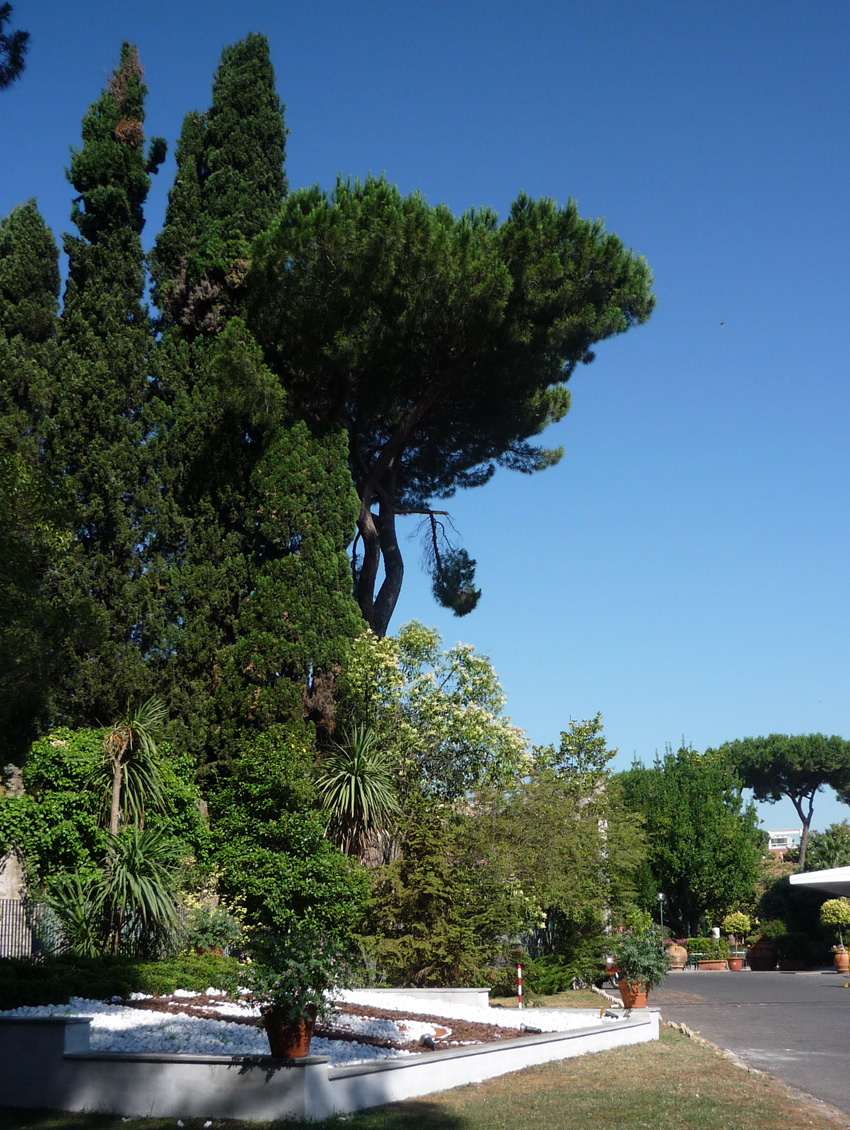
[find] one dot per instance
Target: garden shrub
(793, 946)
(54, 980)
(709, 948)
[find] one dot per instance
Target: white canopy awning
(835, 880)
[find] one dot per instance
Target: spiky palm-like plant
(131, 762)
(139, 885)
(354, 781)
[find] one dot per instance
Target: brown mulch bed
(448, 1029)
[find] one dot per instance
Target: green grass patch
(570, 998)
(675, 1084)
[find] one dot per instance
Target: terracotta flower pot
(841, 962)
(713, 964)
(678, 956)
(289, 1037)
(761, 957)
(736, 964)
(634, 996)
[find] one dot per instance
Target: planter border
(47, 1064)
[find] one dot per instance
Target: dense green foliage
(257, 507)
(829, 848)
(60, 822)
(96, 454)
(35, 630)
(836, 914)
(563, 833)
(641, 957)
(270, 840)
(53, 980)
(230, 183)
(178, 501)
(796, 766)
(703, 845)
(445, 912)
(708, 947)
(441, 344)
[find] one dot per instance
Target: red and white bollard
(519, 986)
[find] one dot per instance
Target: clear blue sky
(684, 568)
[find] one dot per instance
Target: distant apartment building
(783, 839)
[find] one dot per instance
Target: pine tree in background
(33, 630)
(97, 454)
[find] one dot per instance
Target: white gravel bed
(547, 1019)
(116, 1028)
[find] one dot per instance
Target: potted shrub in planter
(292, 978)
(836, 913)
(643, 963)
(762, 954)
(792, 949)
(840, 959)
(711, 953)
(736, 925)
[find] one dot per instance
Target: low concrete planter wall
(478, 997)
(46, 1063)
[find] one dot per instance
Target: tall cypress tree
(229, 186)
(258, 512)
(32, 628)
(98, 452)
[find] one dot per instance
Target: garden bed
(49, 1061)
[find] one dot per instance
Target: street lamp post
(661, 915)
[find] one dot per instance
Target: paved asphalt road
(794, 1025)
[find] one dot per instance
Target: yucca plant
(354, 782)
(130, 772)
(78, 904)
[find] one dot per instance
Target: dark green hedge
(54, 980)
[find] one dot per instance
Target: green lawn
(675, 1084)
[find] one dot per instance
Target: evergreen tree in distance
(96, 454)
(441, 344)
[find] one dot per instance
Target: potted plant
(736, 925)
(840, 958)
(792, 949)
(836, 913)
(643, 963)
(677, 952)
(292, 978)
(762, 954)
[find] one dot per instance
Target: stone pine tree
(256, 514)
(97, 454)
(33, 630)
(442, 345)
(13, 49)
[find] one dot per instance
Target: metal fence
(27, 929)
